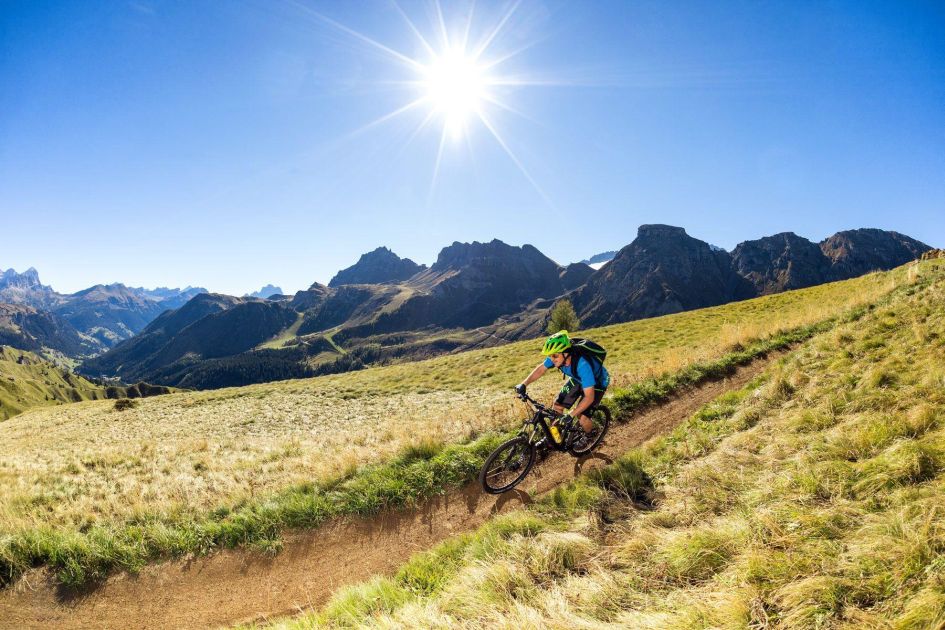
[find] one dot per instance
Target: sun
(459, 78)
(456, 87)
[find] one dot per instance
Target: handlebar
(528, 399)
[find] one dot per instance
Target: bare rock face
(471, 284)
(854, 252)
(664, 270)
(933, 254)
(29, 279)
(381, 265)
(780, 263)
(575, 274)
(787, 261)
(25, 288)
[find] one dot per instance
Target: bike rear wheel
(507, 465)
(600, 417)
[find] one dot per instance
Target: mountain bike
(509, 464)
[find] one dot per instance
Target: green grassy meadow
(28, 381)
(87, 489)
(814, 497)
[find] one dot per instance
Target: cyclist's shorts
(572, 392)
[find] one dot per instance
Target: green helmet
(558, 342)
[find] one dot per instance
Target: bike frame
(538, 420)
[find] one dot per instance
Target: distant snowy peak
(265, 292)
(599, 260)
(164, 293)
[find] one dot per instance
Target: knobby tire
(512, 460)
(601, 418)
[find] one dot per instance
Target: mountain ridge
(479, 294)
(107, 313)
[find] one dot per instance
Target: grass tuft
(628, 479)
(907, 462)
(926, 609)
(354, 603)
(698, 555)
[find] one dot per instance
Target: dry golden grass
(813, 498)
(77, 465)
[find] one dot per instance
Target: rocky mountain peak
(460, 255)
(664, 270)
(780, 262)
(29, 279)
(855, 252)
(376, 267)
(471, 284)
(658, 230)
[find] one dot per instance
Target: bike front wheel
(600, 418)
(507, 465)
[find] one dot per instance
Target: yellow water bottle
(556, 434)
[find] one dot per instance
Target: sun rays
(454, 81)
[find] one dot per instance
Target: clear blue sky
(216, 143)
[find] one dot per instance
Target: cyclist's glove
(566, 419)
(520, 389)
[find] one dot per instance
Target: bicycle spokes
(511, 463)
(507, 465)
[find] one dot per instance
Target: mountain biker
(582, 386)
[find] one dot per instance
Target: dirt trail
(239, 585)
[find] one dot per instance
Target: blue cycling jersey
(585, 373)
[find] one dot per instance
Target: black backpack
(589, 350)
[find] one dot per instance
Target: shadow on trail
(595, 459)
(74, 595)
(512, 499)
